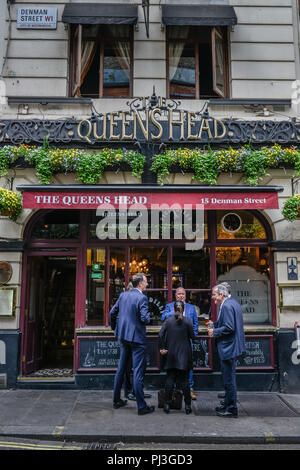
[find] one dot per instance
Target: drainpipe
(296, 35)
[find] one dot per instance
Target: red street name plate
(94, 200)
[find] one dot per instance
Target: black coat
(176, 338)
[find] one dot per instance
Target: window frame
(75, 52)
(77, 247)
(213, 32)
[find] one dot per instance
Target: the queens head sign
(151, 119)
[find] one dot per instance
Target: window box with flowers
(89, 168)
(207, 165)
(10, 204)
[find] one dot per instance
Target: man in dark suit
(189, 312)
(130, 314)
(228, 331)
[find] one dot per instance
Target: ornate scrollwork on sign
(34, 131)
(150, 119)
(141, 104)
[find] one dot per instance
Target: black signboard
(202, 353)
(103, 353)
(160, 121)
(259, 353)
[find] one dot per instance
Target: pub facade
(158, 137)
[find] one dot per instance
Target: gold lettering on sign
(124, 125)
(113, 124)
(103, 135)
(216, 129)
(175, 122)
(191, 124)
(205, 127)
(157, 124)
(144, 129)
(85, 137)
(133, 124)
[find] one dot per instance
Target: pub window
(153, 262)
(239, 224)
(95, 289)
(101, 61)
(197, 62)
(247, 270)
(57, 225)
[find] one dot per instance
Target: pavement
(88, 416)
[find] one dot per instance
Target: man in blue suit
(130, 315)
(189, 312)
(228, 331)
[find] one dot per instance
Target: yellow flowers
(10, 203)
(208, 164)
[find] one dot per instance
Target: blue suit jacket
(189, 312)
(229, 330)
(129, 316)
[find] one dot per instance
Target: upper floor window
(101, 61)
(197, 62)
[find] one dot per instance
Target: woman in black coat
(175, 342)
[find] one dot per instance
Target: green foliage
(291, 208)
(207, 165)
(10, 203)
(88, 167)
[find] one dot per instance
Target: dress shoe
(227, 414)
(188, 409)
(193, 396)
(131, 396)
(119, 404)
(221, 395)
(166, 408)
(146, 410)
(220, 408)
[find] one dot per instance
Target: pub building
(142, 79)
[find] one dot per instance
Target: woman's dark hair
(178, 309)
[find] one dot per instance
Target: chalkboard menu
(202, 354)
(259, 353)
(103, 353)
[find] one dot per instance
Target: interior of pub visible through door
(71, 278)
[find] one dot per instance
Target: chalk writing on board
(258, 353)
(105, 353)
(99, 354)
(200, 353)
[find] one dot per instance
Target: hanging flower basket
(10, 204)
(291, 208)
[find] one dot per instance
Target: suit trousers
(180, 377)
(138, 353)
(229, 379)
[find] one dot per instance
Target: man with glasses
(228, 331)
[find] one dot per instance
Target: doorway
(49, 329)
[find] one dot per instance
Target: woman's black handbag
(176, 402)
